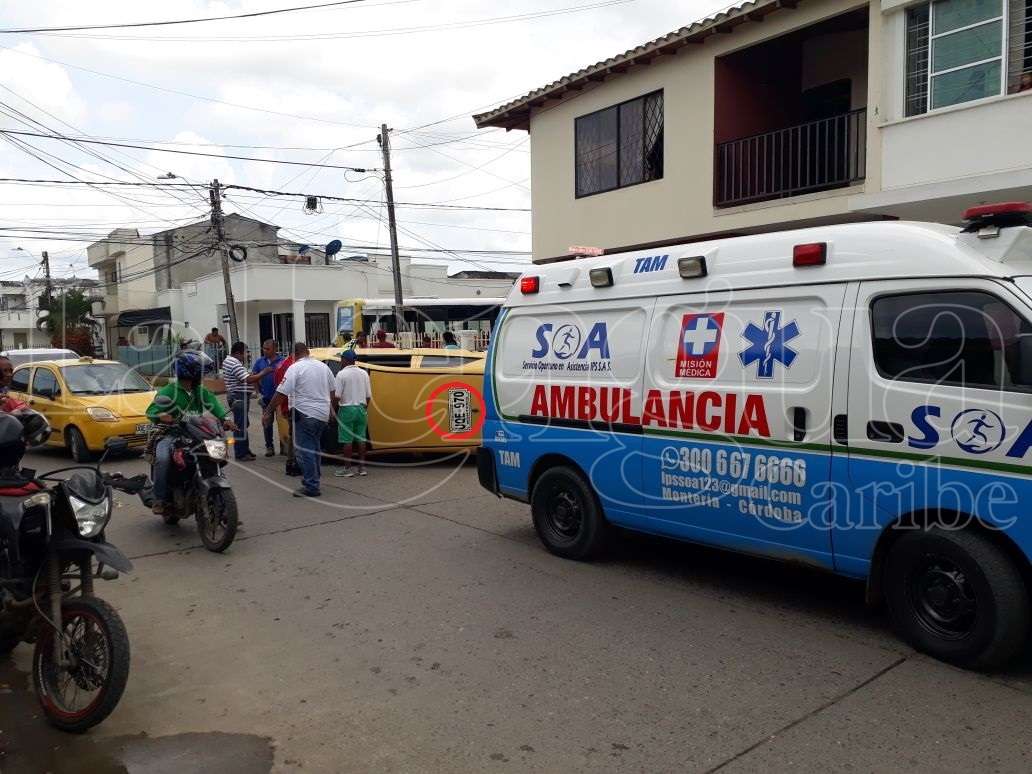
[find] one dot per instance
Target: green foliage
(66, 320)
(67, 311)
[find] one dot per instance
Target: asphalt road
(408, 621)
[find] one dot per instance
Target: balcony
(809, 157)
(790, 113)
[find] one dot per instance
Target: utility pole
(392, 225)
(215, 195)
(46, 273)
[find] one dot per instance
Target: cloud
(43, 83)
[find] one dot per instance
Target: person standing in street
(361, 340)
(239, 392)
(270, 359)
(282, 419)
(351, 394)
(308, 385)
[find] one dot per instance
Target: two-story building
(784, 113)
(19, 309)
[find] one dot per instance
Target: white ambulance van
(856, 397)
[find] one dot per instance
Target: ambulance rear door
(737, 418)
(567, 381)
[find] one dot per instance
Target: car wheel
(76, 444)
(957, 596)
(567, 515)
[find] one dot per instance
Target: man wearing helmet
(188, 396)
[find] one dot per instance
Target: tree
(65, 318)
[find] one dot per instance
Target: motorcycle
(197, 485)
(51, 532)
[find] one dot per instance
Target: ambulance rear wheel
(567, 516)
(957, 596)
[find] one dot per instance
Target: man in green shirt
(189, 396)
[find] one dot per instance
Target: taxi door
(45, 396)
(737, 419)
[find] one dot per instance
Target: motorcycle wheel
(79, 696)
(217, 520)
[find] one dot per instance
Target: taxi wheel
(957, 596)
(567, 516)
(76, 444)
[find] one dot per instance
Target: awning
(133, 317)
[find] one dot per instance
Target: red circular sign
(478, 422)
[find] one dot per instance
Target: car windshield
(103, 379)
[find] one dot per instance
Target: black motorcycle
(196, 483)
(51, 534)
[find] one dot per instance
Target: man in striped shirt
(239, 394)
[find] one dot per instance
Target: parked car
(87, 401)
(424, 400)
(22, 356)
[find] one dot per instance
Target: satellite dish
(333, 248)
(238, 253)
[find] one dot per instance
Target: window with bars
(963, 50)
(619, 146)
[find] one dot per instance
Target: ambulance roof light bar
(987, 219)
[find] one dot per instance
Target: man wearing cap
(351, 394)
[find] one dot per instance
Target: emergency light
(1000, 215)
(601, 277)
(813, 254)
(530, 285)
(691, 267)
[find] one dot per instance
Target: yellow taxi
(424, 400)
(86, 401)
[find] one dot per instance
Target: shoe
(363, 472)
(302, 492)
(246, 458)
(270, 452)
(343, 473)
(158, 508)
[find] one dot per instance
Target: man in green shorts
(351, 394)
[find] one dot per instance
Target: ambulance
(856, 397)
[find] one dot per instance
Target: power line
(184, 152)
(198, 20)
(268, 192)
(374, 33)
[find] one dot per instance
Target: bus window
(443, 361)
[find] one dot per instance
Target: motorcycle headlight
(101, 414)
(90, 518)
(216, 449)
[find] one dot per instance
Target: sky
(310, 87)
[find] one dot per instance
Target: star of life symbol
(769, 345)
(699, 346)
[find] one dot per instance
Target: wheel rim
(942, 597)
(564, 513)
(73, 691)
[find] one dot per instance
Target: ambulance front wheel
(567, 516)
(956, 595)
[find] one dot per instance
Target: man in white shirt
(308, 385)
(351, 394)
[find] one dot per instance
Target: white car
(21, 356)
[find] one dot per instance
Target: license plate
(143, 429)
(459, 418)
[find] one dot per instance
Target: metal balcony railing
(815, 156)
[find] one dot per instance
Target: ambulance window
(965, 338)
